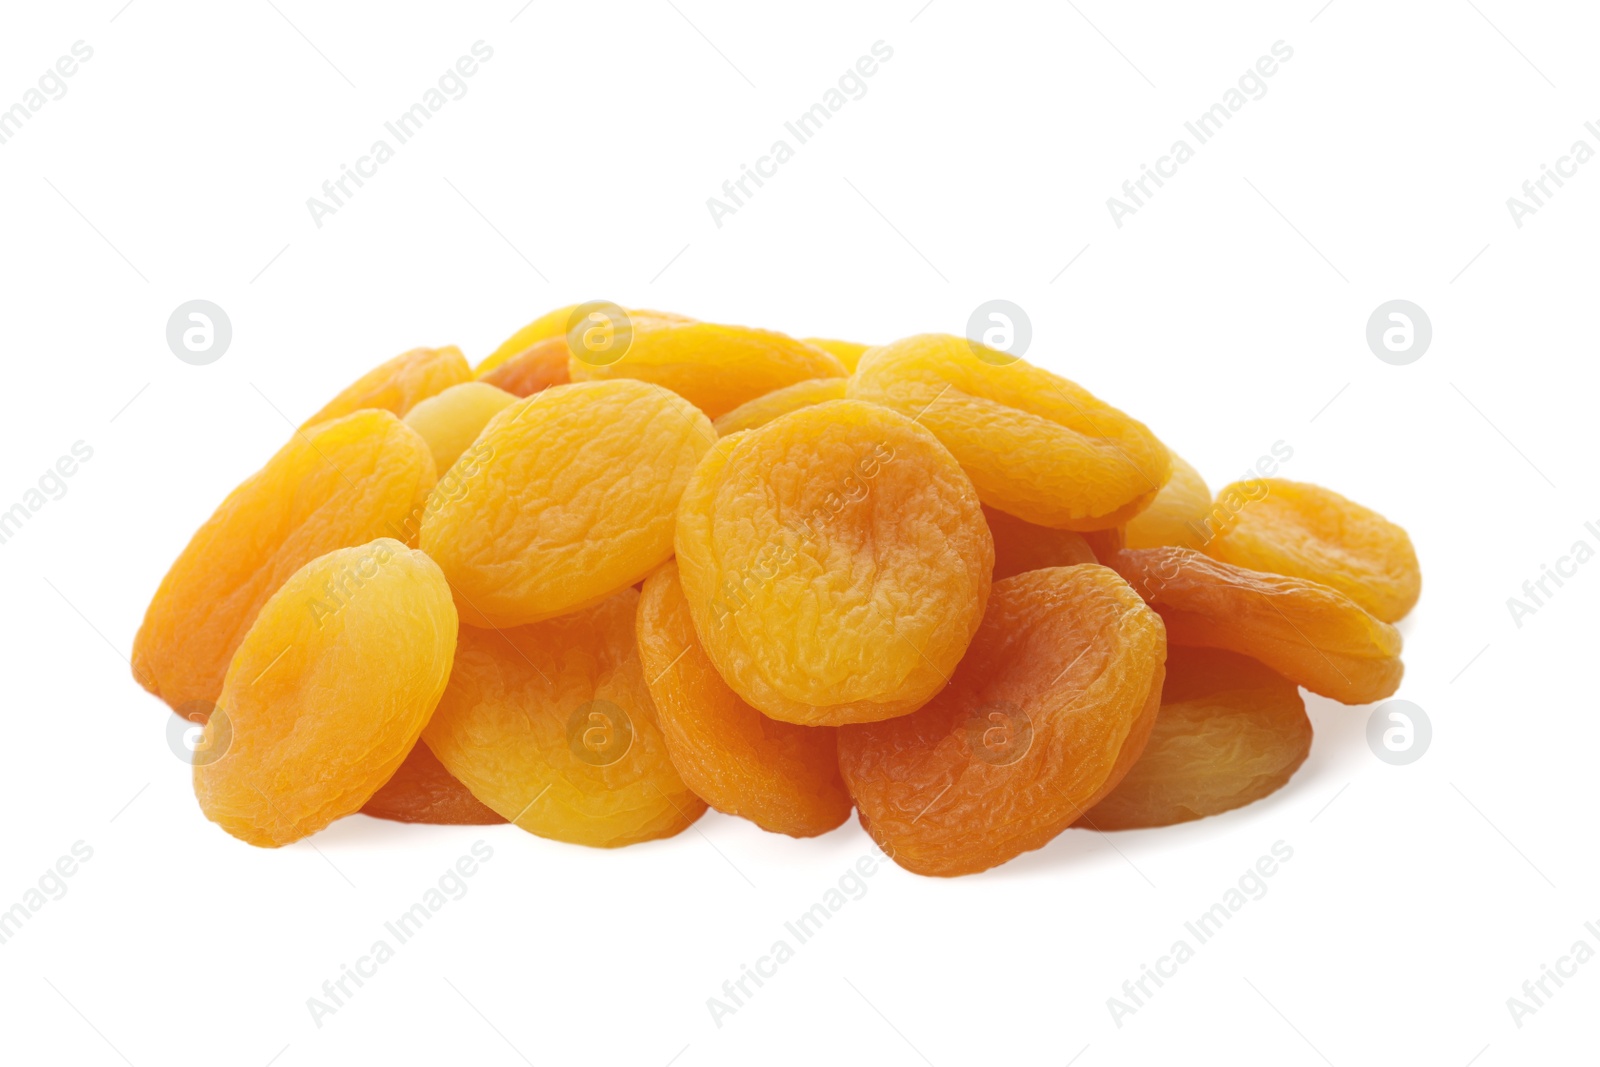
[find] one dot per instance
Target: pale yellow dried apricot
(716, 368)
(782, 777)
(836, 562)
(1048, 711)
(398, 385)
(1175, 514)
(572, 497)
(423, 791)
(1230, 731)
(337, 484)
(1037, 446)
(763, 409)
(1308, 632)
(1021, 546)
(552, 726)
(847, 352)
(1306, 531)
(327, 693)
(452, 420)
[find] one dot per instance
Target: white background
(1229, 313)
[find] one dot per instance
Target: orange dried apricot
(397, 386)
(337, 484)
(552, 726)
(535, 368)
(836, 563)
(572, 497)
(1045, 715)
(423, 791)
(847, 352)
(1230, 731)
(782, 777)
(452, 420)
(1308, 632)
(1183, 501)
(1037, 446)
(763, 409)
(327, 693)
(556, 324)
(1306, 531)
(716, 368)
(1021, 546)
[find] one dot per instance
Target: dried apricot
(763, 409)
(572, 497)
(1183, 501)
(782, 777)
(1311, 634)
(452, 420)
(552, 726)
(423, 791)
(397, 386)
(328, 692)
(557, 323)
(836, 562)
(337, 484)
(532, 370)
(1230, 732)
(1045, 715)
(716, 368)
(847, 352)
(1306, 531)
(1037, 446)
(1021, 546)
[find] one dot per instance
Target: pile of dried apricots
(635, 564)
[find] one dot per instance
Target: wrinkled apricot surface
(337, 484)
(1306, 531)
(327, 693)
(716, 368)
(763, 409)
(532, 370)
(1308, 632)
(555, 324)
(423, 791)
(572, 497)
(1175, 514)
(1021, 546)
(452, 420)
(552, 726)
(1037, 446)
(1045, 715)
(782, 777)
(398, 385)
(847, 352)
(836, 562)
(1230, 731)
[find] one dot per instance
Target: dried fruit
(1047, 712)
(1306, 531)
(1230, 732)
(451, 421)
(552, 726)
(782, 777)
(1311, 634)
(532, 370)
(716, 368)
(1021, 546)
(328, 692)
(763, 409)
(557, 323)
(423, 791)
(337, 484)
(1037, 446)
(572, 498)
(847, 352)
(836, 563)
(397, 386)
(1183, 501)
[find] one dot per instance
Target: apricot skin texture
(422, 791)
(400, 384)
